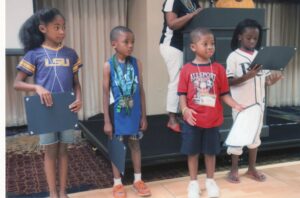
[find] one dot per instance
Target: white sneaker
(193, 190)
(212, 188)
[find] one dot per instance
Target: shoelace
(141, 185)
(118, 188)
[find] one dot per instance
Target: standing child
(55, 69)
(247, 86)
(202, 87)
(122, 75)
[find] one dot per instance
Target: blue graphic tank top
(124, 83)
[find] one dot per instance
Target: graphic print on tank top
(126, 81)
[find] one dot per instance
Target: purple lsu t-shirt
(53, 69)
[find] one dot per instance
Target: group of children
(203, 85)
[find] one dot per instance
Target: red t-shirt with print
(200, 80)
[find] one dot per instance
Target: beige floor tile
(283, 180)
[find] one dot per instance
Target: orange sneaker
(141, 189)
(119, 191)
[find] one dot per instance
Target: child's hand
(143, 124)
(239, 107)
(45, 95)
(75, 106)
(188, 116)
(253, 72)
(108, 130)
(274, 77)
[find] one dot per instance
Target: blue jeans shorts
(66, 136)
(196, 140)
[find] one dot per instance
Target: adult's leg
(174, 60)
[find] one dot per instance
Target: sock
(210, 179)
(117, 181)
(137, 177)
(194, 181)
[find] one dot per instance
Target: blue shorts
(196, 140)
(66, 137)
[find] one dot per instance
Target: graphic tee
(201, 80)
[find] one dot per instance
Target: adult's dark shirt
(170, 37)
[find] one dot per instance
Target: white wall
(17, 11)
(147, 30)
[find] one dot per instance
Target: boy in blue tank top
(123, 91)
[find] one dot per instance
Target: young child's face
(55, 30)
(124, 43)
(249, 38)
(205, 46)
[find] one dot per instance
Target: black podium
(222, 22)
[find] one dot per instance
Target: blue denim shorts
(196, 140)
(66, 136)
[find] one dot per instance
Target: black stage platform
(160, 145)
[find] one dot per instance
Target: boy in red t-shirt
(202, 86)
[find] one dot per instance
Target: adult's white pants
(174, 60)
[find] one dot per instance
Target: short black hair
(198, 32)
(114, 33)
(240, 28)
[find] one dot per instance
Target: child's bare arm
(187, 113)
(250, 74)
(21, 85)
(144, 123)
(77, 104)
(106, 89)
(231, 102)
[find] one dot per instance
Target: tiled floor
(283, 180)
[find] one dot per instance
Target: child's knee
(63, 149)
(134, 145)
(51, 150)
(194, 157)
(210, 156)
(255, 145)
